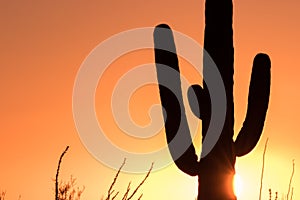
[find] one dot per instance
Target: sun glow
(238, 185)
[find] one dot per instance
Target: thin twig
(115, 196)
(57, 172)
(263, 168)
(291, 179)
(140, 197)
(136, 189)
(115, 180)
(292, 193)
(127, 192)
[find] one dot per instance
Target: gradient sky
(43, 44)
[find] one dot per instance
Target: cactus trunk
(215, 170)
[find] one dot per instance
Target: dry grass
(263, 168)
(2, 195)
(57, 189)
(270, 195)
(290, 183)
(69, 191)
(112, 194)
(290, 191)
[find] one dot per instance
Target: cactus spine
(216, 170)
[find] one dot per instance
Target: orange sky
(43, 44)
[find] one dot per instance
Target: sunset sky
(44, 43)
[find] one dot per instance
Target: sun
(237, 185)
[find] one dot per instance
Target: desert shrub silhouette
(215, 170)
(68, 190)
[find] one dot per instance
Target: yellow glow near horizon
(238, 185)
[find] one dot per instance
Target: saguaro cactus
(216, 169)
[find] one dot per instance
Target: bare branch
(263, 168)
(57, 172)
(291, 179)
(143, 181)
(115, 180)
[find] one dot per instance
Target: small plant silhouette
(66, 190)
(57, 191)
(69, 191)
(2, 195)
(112, 194)
(215, 170)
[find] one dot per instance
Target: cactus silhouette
(215, 171)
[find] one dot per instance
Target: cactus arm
(176, 126)
(199, 101)
(258, 99)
